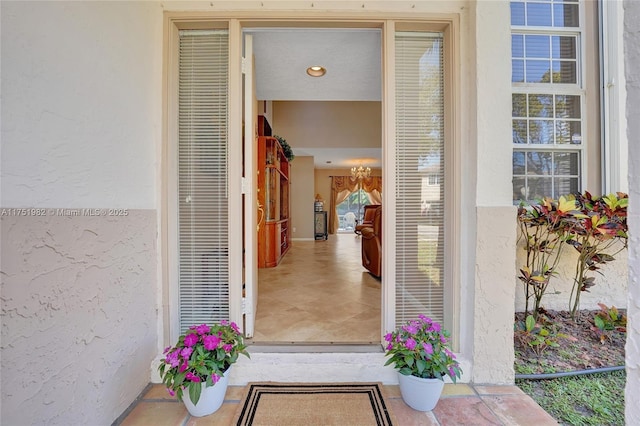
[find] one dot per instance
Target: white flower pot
(211, 398)
(420, 394)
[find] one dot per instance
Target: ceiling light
(360, 172)
(316, 71)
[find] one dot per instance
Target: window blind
(203, 212)
(420, 176)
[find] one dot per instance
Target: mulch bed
(581, 349)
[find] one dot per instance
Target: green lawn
(594, 399)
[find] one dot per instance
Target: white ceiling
(352, 58)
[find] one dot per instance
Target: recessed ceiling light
(316, 71)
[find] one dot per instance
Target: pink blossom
(184, 366)
(424, 319)
(192, 377)
(171, 392)
(191, 339)
(215, 378)
(451, 354)
(436, 326)
(410, 344)
(388, 337)
(411, 329)
(235, 328)
(166, 349)
(186, 352)
(443, 339)
(211, 342)
(172, 358)
(224, 322)
(202, 329)
(428, 348)
(228, 347)
(389, 346)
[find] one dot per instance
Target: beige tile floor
(319, 293)
(460, 404)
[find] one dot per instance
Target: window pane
(541, 131)
(539, 188)
(538, 72)
(539, 14)
(537, 46)
(518, 163)
(517, 13)
(517, 71)
(519, 105)
(563, 47)
(564, 72)
(539, 163)
(564, 186)
(519, 131)
(519, 189)
(567, 106)
(568, 132)
(565, 15)
(540, 105)
(566, 163)
(517, 46)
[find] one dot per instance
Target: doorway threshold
(314, 347)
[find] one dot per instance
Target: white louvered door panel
(419, 176)
(203, 217)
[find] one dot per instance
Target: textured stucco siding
(493, 353)
(81, 128)
(78, 316)
(632, 71)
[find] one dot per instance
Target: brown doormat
(311, 404)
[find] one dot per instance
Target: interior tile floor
(319, 293)
(460, 404)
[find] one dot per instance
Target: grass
(594, 399)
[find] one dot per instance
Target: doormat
(310, 404)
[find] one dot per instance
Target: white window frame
(580, 88)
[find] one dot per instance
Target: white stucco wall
(610, 282)
(494, 255)
(81, 128)
(632, 67)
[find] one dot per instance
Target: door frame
(236, 22)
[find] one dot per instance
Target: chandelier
(360, 172)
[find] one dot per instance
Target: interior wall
(302, 198)
(329, 124)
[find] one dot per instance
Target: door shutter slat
(203, 212)
(419, 176)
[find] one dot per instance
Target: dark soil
(582, 347)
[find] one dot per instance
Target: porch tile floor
(460, 404)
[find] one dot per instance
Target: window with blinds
(420, 176)
(203, 212)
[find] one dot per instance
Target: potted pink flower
(420, 352)
(196, 369)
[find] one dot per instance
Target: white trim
(388, 312)
(613, 94)
(235, 173)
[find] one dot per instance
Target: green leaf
(194, 392)
(421, 364)
(599, 323)
(530, 323)
(409, 360)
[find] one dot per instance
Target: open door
(251, 208)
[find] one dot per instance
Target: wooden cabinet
(274, 236)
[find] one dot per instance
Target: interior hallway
(319, 293)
